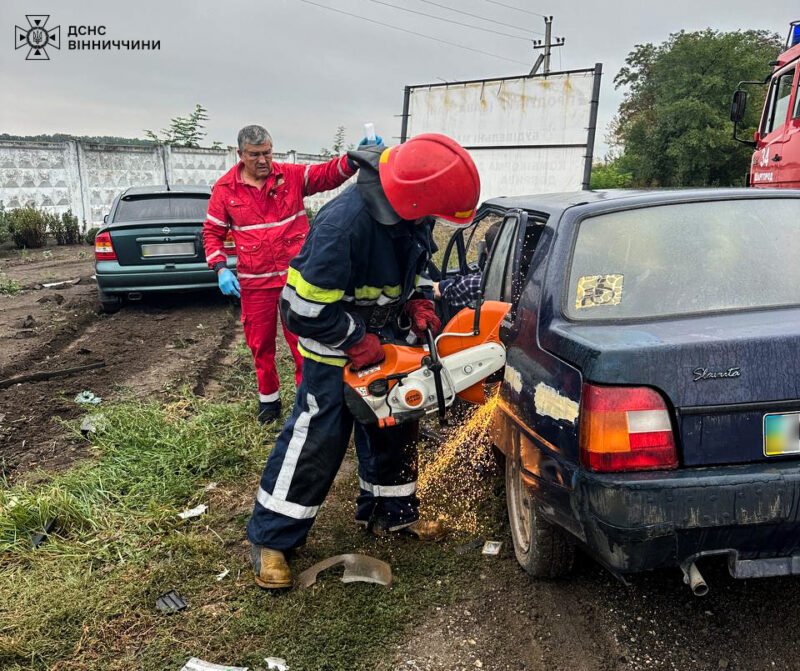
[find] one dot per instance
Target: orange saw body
(404, 385)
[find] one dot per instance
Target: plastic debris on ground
(87, 397)
(223, 574)
(193, 512)
(65, 283)
(195, 664)
(492, 548)
(276, 663)
(38, 539)
(171, 602)
(92, 424)
(469, 546)
(357, 568)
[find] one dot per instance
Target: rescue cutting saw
(413, 381)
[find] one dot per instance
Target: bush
(28, 227)
(8, 286)
(91, 234)
(3, 224)
(65, 230)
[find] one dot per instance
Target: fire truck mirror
(738, 105)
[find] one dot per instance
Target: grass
(8, 285)
(85, 598)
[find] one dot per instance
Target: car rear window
(189, 207)
(686, 258)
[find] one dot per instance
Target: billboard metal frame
(591, 130)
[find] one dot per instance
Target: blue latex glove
(228, 284)
(365, 142)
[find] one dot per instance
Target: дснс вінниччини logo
(37, 38)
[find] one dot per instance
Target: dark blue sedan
(650, 409)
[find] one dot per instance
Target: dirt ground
(589, 622)
(147, 348)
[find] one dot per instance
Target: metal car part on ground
(357, 568)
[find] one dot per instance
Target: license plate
(169, 249)
(782, 434)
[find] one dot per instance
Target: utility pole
(547, 45)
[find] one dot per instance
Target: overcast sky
(302, 70)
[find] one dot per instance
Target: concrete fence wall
(85, 177)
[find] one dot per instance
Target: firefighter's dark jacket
(352, 275)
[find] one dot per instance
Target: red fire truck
(776, 159)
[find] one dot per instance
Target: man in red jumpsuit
(261, 203)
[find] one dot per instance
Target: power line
(411, 32)
(524, 11)
(478, 16)
(457, 23)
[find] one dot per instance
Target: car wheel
(541, 548)
(108, 303)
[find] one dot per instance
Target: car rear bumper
(634, 522)
(112, 278)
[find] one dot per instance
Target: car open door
(465, 252)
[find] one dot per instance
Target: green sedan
(152, 241)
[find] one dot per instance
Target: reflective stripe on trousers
(307, 455)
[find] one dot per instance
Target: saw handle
(435, 366)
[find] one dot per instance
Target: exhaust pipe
(693, 578)
(134, 296)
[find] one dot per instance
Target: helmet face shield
(452, 223)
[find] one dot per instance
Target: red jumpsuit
(269, 226)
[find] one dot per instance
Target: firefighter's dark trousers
(308, 453)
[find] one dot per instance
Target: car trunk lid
(725, 377)
(158, 244)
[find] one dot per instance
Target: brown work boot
(422, 530)
(270, 568)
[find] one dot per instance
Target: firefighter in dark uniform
(360, 277)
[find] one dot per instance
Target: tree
(610, 175)
(183, 131)
(674, 122)
(339, 145)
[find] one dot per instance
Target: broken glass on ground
(492, 548)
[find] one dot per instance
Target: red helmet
(431, 174)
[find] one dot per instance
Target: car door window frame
(771, 123)
(511, 222)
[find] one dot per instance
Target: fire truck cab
(776, 159)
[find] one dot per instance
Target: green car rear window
(188, 208)
(685, 259)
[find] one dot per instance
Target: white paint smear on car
(514, 378)
(550, 403)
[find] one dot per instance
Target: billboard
(527, 135)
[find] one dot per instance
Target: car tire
(541, 548)
(108, 303)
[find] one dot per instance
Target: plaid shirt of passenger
(460, 291)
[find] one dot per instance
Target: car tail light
(625, 429)
(103, 249)
(230, 244)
